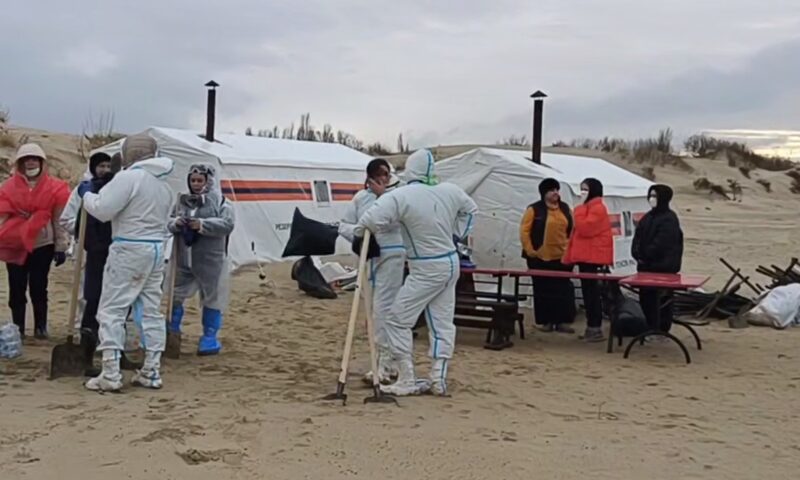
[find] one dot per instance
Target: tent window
(322, 192)
(627, 223)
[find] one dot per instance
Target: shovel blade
(67, 360)
(173, 347)
(379, 397)
(129, 364)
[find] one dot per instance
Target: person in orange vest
(591, 247)
(544, 233)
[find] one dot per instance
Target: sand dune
(551, 407)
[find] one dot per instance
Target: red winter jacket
(591, 241)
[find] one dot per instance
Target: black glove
(374, 250)
(59, 258)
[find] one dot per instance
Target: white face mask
(33, 172)
(584, 195)
(653, 201)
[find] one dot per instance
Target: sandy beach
(550, 407)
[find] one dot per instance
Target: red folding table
(661, 282)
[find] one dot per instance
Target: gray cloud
(756, 94)
(438, 71)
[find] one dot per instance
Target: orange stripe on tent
(266, 184)
(266, 190)
(345, 191)
(268, 197)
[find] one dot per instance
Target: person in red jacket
(591, 247)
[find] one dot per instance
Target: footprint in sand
(174, 434)
(198, 457)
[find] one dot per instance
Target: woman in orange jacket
(591, 247)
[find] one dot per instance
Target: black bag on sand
(310, 237)
(630, 318)
(310, 280)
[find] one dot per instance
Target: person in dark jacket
(96, 245)
(658, 248)
(544, 234)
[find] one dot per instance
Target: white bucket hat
(30, 150)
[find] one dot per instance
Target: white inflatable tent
(504, 182)
(266, 179)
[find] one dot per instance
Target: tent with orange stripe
(266, 179)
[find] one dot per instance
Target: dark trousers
(657, 307)
(92, 288)
(32, 277)
(553, 298)
(591, 296)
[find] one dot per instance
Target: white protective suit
(138, 203)
(430, 217)
(385, 272)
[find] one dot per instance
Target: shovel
(173, 348)
(67, 359)
(351, 324)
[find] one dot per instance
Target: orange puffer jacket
(591, 240)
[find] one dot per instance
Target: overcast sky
(440, 71)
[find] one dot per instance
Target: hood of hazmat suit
(420, 168)
(204, 262)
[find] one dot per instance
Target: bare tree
(97, 132)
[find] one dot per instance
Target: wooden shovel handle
(76, 273)
(351, 323)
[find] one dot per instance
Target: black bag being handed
(310, 237)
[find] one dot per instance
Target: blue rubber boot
(212, 322)
(176, 319)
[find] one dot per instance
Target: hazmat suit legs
(429, 288)
(133, 275)
(386, 279)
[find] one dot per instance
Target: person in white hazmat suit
(430, 216)
(138, 203)
(205, 219)
(386, 271)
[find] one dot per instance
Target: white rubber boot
(385, 370)
(407, 383)
(439, 377)
(149, 376)
(110, 378)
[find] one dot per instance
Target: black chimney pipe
(536, 141)
(211, 109)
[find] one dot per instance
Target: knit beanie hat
(548, 185)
